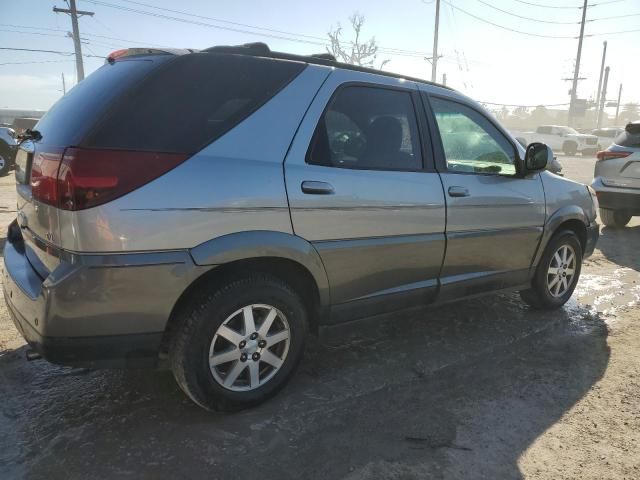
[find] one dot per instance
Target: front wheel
(557, 274)
(614, 218)
(239, 345)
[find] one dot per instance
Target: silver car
(205, 211)
(617, 178)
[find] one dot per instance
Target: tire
(569, 148)
(5, 160)
(614, 218)
(544, 293)
(201, 331)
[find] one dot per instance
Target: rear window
(630, 137)
(191, 101)
(72, 116)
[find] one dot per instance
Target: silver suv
(617, 178)
(206, 210)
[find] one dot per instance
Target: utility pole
(618, 105)
(603, 97)
(444, 79)
(434, 63)
(74, 13)
(64, 85)
(604, 56)
(576, 71)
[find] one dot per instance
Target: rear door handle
(458, 192)
(317, 188)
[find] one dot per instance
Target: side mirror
(537, 157)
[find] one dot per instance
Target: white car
(606, 136)
(564, 139)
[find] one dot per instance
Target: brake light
(85, 178)
(113, 56)
(608, 155)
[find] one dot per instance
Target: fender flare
(261, 244)
(563, 214)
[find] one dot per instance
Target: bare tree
(355, 52)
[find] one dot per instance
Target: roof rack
(260, 49)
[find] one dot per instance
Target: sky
(487, 62)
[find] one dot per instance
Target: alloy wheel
(561, 271)
(249, 347)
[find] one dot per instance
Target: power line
(292, 37)
(548, 6)
(614, 17)
(506, 28)
(526, 18)
(36, 62)
(58, 52)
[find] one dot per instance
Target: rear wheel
(557, 274)
(238, 346)
(614, 218)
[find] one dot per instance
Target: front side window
(471, 143)
(368, 128)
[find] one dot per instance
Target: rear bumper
(115, 351)
(95, 310)
(617, 198)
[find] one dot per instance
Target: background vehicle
(8, 147)
(606, 136)
(617, 178)
(318, 193)
(563, 139)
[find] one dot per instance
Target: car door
(495, 217)
(362, 189)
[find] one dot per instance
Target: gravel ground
(484, 388)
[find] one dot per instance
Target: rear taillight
(85, 178)
(608, 155)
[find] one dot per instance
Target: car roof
(260, 49)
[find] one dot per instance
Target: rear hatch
(63, 126)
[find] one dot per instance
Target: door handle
(458, 191)
(317, 188)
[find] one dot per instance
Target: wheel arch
(282, 255)
(570, 217)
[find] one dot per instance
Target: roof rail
(260, 49)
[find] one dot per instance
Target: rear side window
(192, 101)
(544, 130)
(368, 128)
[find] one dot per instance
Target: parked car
(606, 136)
(270, 195)
(617, 178)
(8, 148)
(563, 139)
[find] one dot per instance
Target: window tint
(195, 99)
(75, 113)
(368, 128)
(471, 143)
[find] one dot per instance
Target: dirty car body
(352, 192)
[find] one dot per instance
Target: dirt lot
(484, 388)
